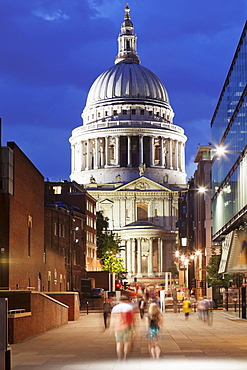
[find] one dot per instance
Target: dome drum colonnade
(125, 148)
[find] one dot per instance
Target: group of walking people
(123, 315)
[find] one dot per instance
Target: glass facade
(229, 129)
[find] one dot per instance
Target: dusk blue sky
(53, 50)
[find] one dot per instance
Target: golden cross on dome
(127, 10)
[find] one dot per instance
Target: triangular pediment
(106, 201)
(143, 184)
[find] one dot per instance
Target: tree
(174, 271)
(108, 246)
(213, 278)
(112, 263)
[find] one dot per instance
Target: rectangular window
(98, 114)
(150, 113)
(142, 112)
(115, 113)
(124, 112)
(44, 254)
(106, 114)
(57, 189)
(133, 111)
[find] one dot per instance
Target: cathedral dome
(127, 128)
(128, 81)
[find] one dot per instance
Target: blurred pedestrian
(201, 308)
(153, 325)
(142, 305)
(123, 314)
(106, 313)
(186, 307)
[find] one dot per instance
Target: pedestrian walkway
(186, 344)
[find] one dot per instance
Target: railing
(17, 310)
(130, 123)
(17, 288)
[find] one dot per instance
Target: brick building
(43, 248)
(24, 262)
(70, 228)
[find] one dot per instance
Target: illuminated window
(57, 189)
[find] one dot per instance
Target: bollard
(87, 308)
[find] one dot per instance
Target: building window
(124, 112)
(133, 111)
(142, 212)
(157, 114)
(150, 113)
(57, 189)
(142, 112)
(29, 225)
(115, 113)
(98, 114)
(106, 114)
(44, 254)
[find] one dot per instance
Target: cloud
(57, 15)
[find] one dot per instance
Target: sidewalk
(185, 344)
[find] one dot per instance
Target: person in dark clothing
(106, 313)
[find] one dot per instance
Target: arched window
(142, 212)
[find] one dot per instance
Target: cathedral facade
(130, 157)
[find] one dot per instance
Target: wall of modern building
(229, 130)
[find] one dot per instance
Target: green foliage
(108, 246)
(213, 278)
(174, 271)
(112, 263)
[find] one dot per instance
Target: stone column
(101, 156)
(140, 149)
(176, 155)
(182, 157)
(133, 262)
(81, 156)
(73, 158)
(117, 151)
(139, 257)
(96, 159)
(170, 154)
(129, 256)
(106, 151)
(151, 151)
(88, 155)
(129, 164)
(162, 159)
(150, 258)
(159, 255)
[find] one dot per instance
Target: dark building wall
(26, 222)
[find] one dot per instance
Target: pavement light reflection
(164, 364)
